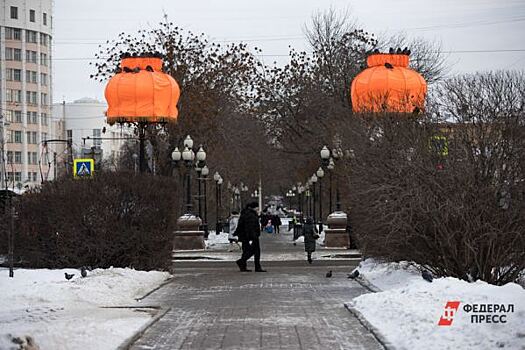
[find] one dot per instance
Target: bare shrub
(115, 219)
(460, 214)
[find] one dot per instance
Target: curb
(129, 342)
(167, 281)
(367, 284)
(373, 330)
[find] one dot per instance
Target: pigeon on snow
(427, 276)
(68, 275)
(83, 271)
(354, 274)
(329, 274)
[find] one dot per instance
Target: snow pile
(62, 314)
(408, 309)
(216, 240)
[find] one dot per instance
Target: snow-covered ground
(407, 310)
(62, 314)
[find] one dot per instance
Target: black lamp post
(199, 165)
(320, 175)
(188, 156)
(218, 182)
(330, 167)
(337, 153)
(313, 180)
(204, 178)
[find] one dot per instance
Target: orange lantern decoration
(388, 85)
(141, 92)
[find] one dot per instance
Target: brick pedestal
(188, 236)
(336, 235)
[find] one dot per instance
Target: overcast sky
(495, 27)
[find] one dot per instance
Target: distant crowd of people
(245, 228)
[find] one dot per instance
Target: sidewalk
(288, 307)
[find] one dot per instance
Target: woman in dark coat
(310, 236)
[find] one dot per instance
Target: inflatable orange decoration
(388, 85)
(141, 92)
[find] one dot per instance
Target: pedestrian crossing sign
(83, 167)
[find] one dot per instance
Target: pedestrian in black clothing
(310, 236)
(276, 223)
(248, 232)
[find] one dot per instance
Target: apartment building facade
(25, 88)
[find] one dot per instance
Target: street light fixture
(187, 156)
(204, 178)
(218, 182)
(330, 167)
(320, 175)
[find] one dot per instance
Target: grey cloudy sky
(496, 26)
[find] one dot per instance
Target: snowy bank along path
(407, 309)
(62, 314)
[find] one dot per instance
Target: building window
(34, 177)
(43, 118)
(44, 136)
(31, 36)
(14, 12)
(18, 117)
(31, 76)
(69, 134)
(18, 176)
(13, 54)
(43, 99)
(13, 74)
(13, 95)
(10, 157)
(31, 56)
(31, 97)
(31, 15)
(13, 33)
(43, 59)
(43, 39)
(18, 157)
(43, 79)
(44, 18)
(31, 137)
(17, 137)
(32, 118)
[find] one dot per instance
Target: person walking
(232, 223)
(276, 222)
(310, 236)
(248, 232)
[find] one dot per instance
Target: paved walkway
(289, 307)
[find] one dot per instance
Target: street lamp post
(204, 172)
(320, 175)
(199, 165)
(330, 167)
(218, 182)
(337, 154)
(188, 156)
(313, 179)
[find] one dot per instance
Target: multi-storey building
(25, 87)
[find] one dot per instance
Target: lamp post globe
(331, 164)
(187, 154)
(205, 171)
(216, 176)
(325, 153)
(201, 154)
(188, 142)
(320, 173)
(313, 179)
(176, 155)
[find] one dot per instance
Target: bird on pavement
(427, 276)
(354, 274)
(329, 274)
(68, 275)
(83, 271)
